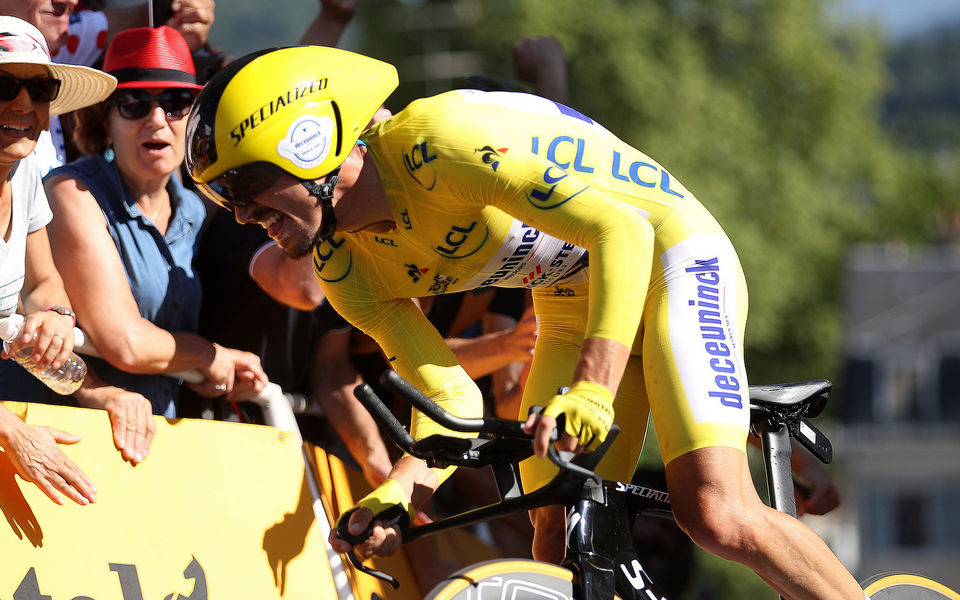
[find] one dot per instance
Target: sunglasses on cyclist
(40, 89)
(240, 186)
(136, 104)
(236, 188)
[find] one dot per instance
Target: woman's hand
(249, 377)
(228, 368)
(50, 334)
(34, 452)
(131, 416)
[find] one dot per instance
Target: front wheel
(517, 579)
(903, 586)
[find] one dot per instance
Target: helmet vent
(339, 127)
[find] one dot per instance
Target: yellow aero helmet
(299, 108)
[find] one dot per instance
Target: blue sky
(903, 18)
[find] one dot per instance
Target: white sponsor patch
(529, 258)
(308, 141)
(701, 278)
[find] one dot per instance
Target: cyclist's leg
(692, 346)
(715, 503)
(561, 324)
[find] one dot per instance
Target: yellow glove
(588, 407)
(387, 503)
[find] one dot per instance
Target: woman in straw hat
(122, 214)
(32, 89)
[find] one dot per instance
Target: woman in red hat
(126, 233)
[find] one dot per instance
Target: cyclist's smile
(288, 213)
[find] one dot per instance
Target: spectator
(291, 328)
(78, 37)
(122, 215)
(31, 89)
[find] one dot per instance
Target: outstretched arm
(109, 312)
(333, 18)
(540, 61)
(36, 456)
(192, 18)
(420, 355)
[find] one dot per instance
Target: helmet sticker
(308, 141)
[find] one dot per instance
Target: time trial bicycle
(600, 561)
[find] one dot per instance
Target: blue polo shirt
(159, 268)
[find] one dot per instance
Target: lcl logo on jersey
(545, 197)
(329, 262)
(462, 240)
(417, 162)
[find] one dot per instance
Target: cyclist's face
(288, 212)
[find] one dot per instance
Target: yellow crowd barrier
(217, 510)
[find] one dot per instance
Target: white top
(29, 213)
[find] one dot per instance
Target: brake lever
(564, 460)
(558, 458)
(358, 565)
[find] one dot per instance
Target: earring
(108, 154)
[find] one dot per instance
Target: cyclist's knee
(722, 526)
(714, 501)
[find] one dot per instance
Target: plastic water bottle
(65, 380)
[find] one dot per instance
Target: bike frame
(599, 549)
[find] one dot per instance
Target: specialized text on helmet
(300, 91)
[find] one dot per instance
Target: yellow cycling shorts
(686, 364)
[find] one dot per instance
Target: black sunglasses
(239, 186)
(40, 89)
(136, 104)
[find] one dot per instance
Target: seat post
(777, 451)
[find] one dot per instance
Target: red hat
(145, 57)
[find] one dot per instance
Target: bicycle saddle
(793, 396)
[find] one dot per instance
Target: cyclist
(469, 189)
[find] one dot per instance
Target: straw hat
(145, 57)
(22, 43)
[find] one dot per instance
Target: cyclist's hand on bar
(380, 514)
(588, 411)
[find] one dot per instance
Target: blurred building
(899, 448)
